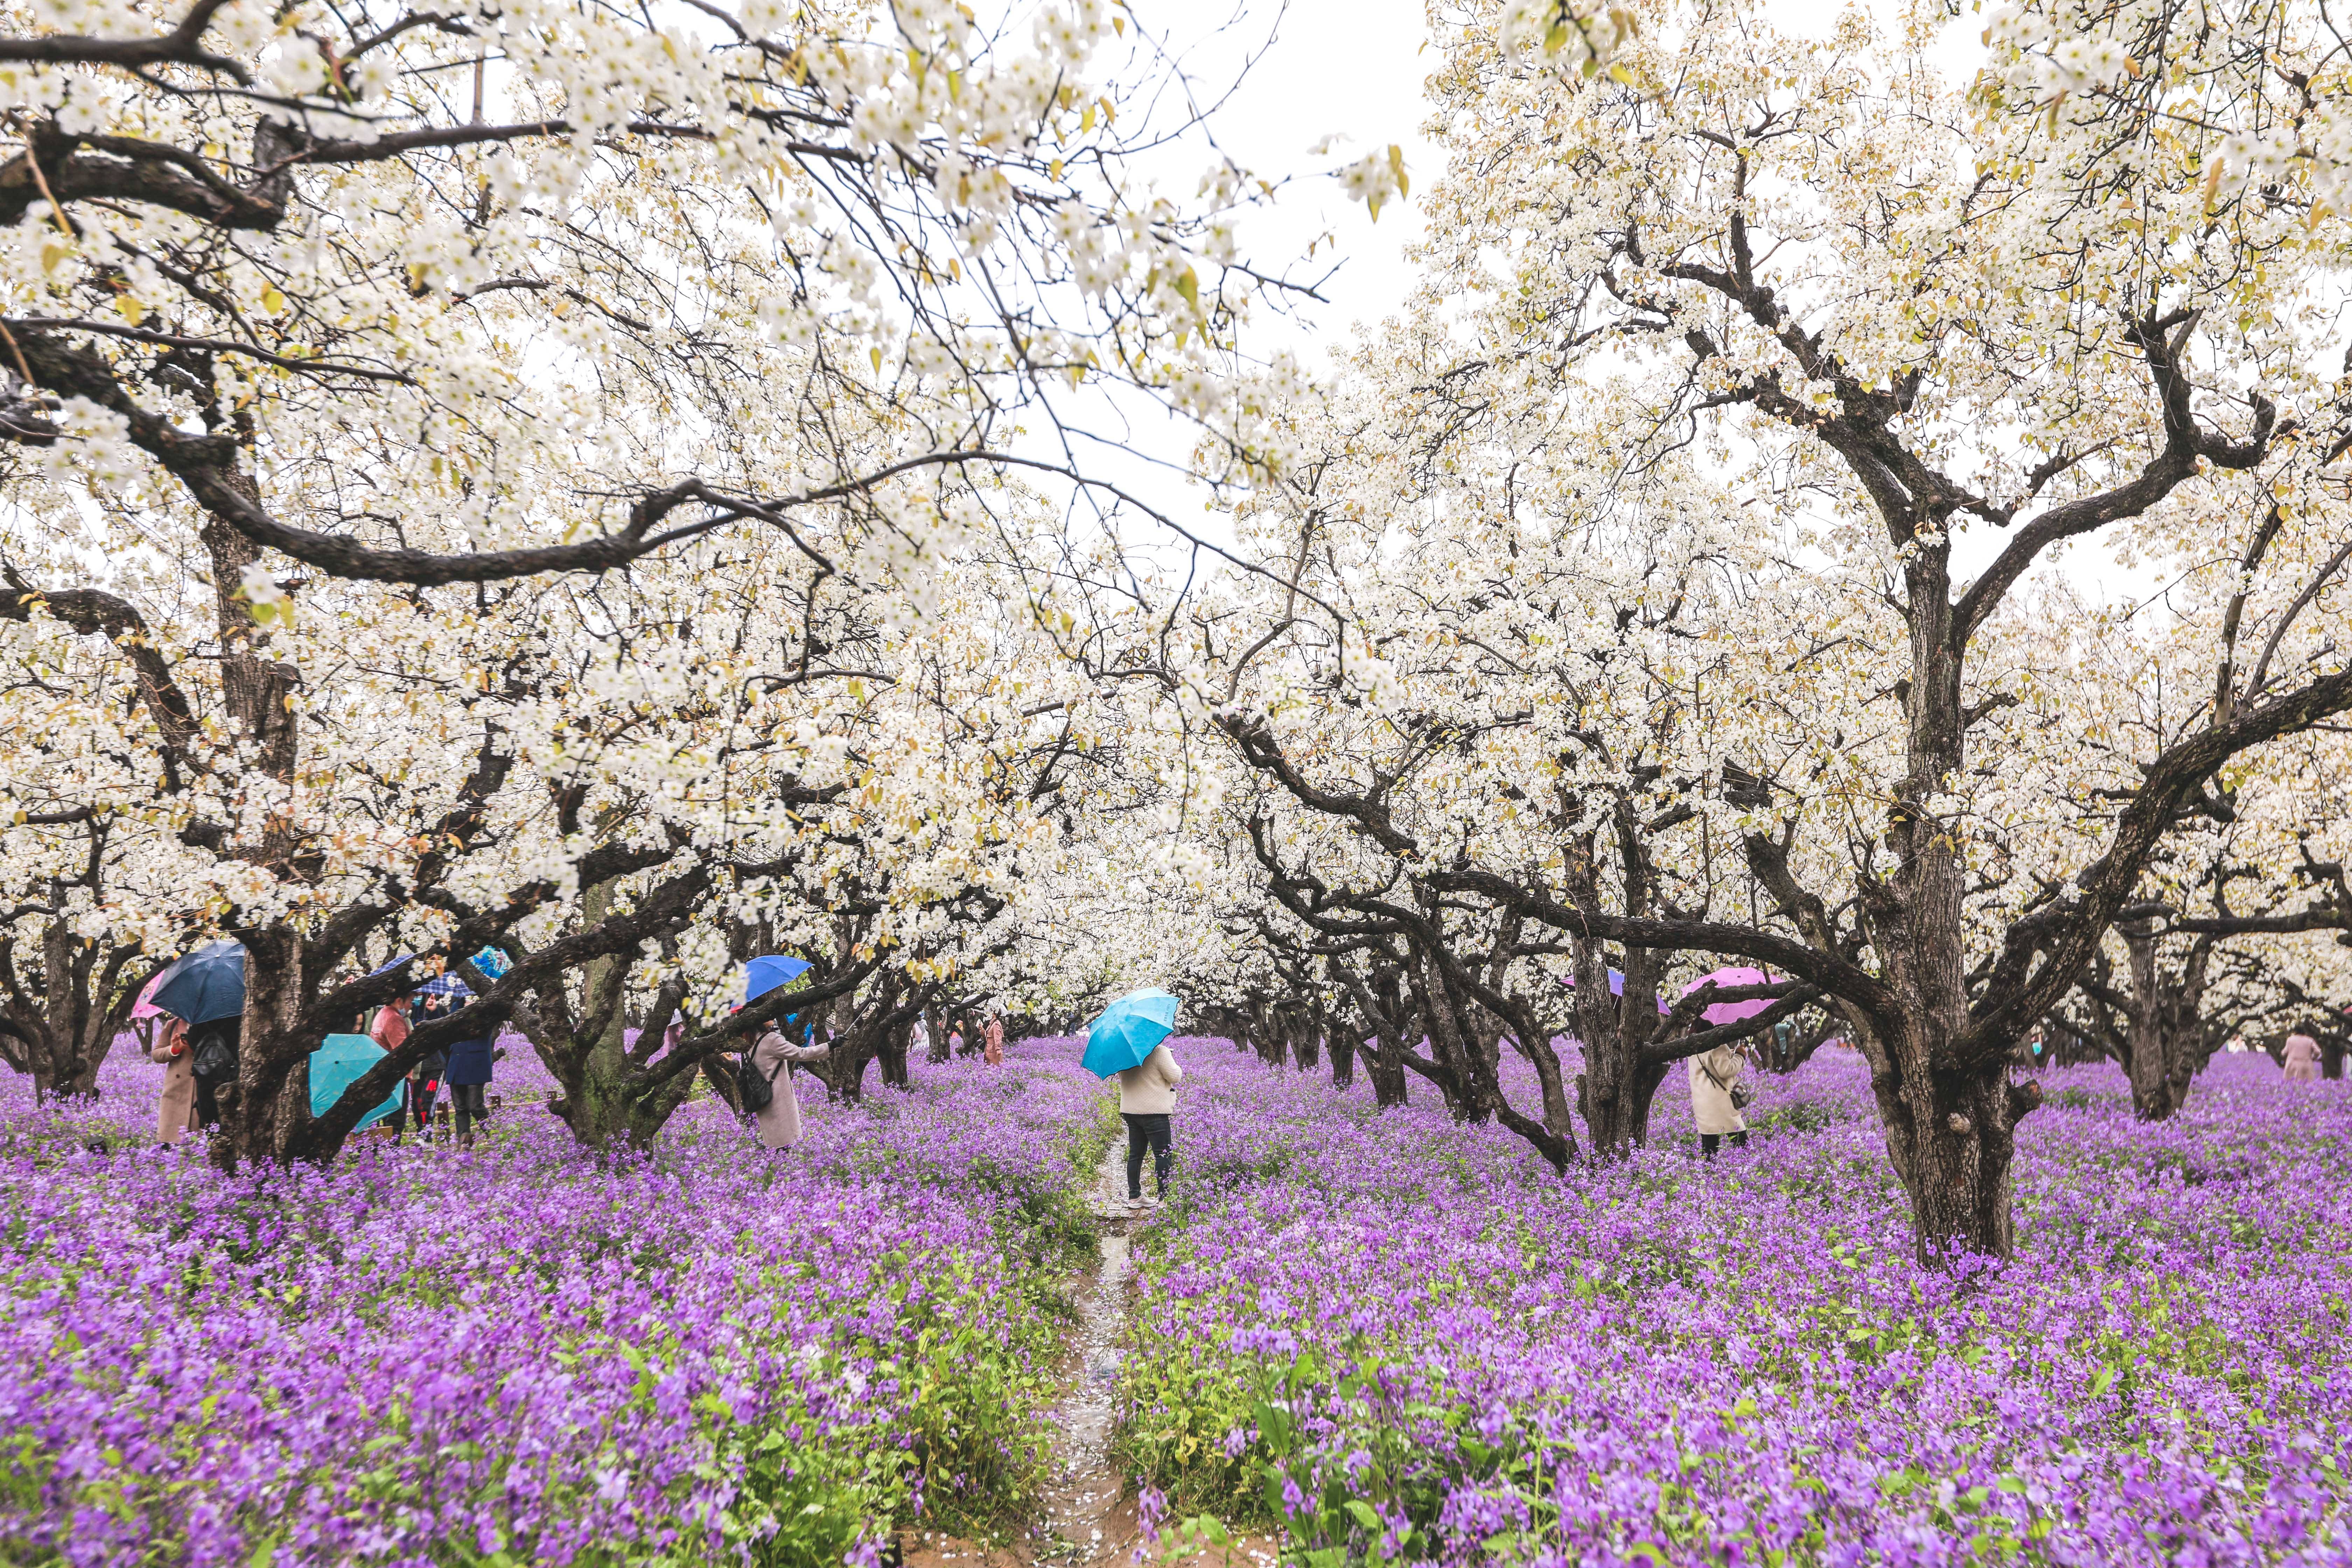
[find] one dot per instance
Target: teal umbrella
(337, 1065)
(1128, 1030)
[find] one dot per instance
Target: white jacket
(1712, 1074)
(1149, 1086)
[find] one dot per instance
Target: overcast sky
(1354, 68)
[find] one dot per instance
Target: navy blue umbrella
(208, 984)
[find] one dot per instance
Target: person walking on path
(994, 1055)
(470, 1066)
(176, 1113)
(1146, 1097)
(773, 1058)
(1713, 1079)
(2301, 1059)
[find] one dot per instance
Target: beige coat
(1712, 1075)
(175, 1114)
(2303, 1059)
(1149, 1086)
(780, 1124)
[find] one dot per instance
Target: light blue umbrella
(1129, 1030)
(337, 1065)
(762, 975)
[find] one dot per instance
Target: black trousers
(1709, 1142)
(1149, 1130)
(420, 1102)
(207, 1103)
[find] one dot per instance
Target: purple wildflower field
(715, 1355)
(1394, 1337)
(1375, 1336)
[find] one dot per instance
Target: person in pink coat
(2301, 1059)
(994, 1054)
(175, 1114)
(772, 1058)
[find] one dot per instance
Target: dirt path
(1084, 1519)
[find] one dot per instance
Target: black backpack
(214, 1046)
(756, 1089)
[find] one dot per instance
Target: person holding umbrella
(774, 1056)
(175, 1111)
(1717, 1095)
(1130, 1040)
(206, 988)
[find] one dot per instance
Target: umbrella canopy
(493, 961)
(1721, 1012)
(145, 1006)
(1616, 987)
(1129, 1030)
(337, 1065)
(206, 984)
(764, 975)
(445, 985)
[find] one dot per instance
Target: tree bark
(1343, 1058)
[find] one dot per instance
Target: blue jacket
(469, 1061)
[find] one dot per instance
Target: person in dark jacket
(470, 1062)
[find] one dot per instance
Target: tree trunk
(1949, 1122)
(266, 1108)
(1950, 1136)
(893, 1053)
(1616, 1116)
(75, 1028)
(1469, 1094)
(1343, 1058)
(935, 1025)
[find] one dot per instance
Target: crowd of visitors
(447, 1089)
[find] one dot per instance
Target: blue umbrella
(445, 985)
(206, 984)
(762, 975)
(337, 1065)
(493, 961)
(1128, 1030)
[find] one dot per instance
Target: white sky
(1355, 68)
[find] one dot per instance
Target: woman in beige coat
(1712, 1074)
(2301, 1059)
(1146, 1094)
(175, 1114)
(773, 1057)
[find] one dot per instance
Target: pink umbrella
(1721, 1012)
(145, 1007)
